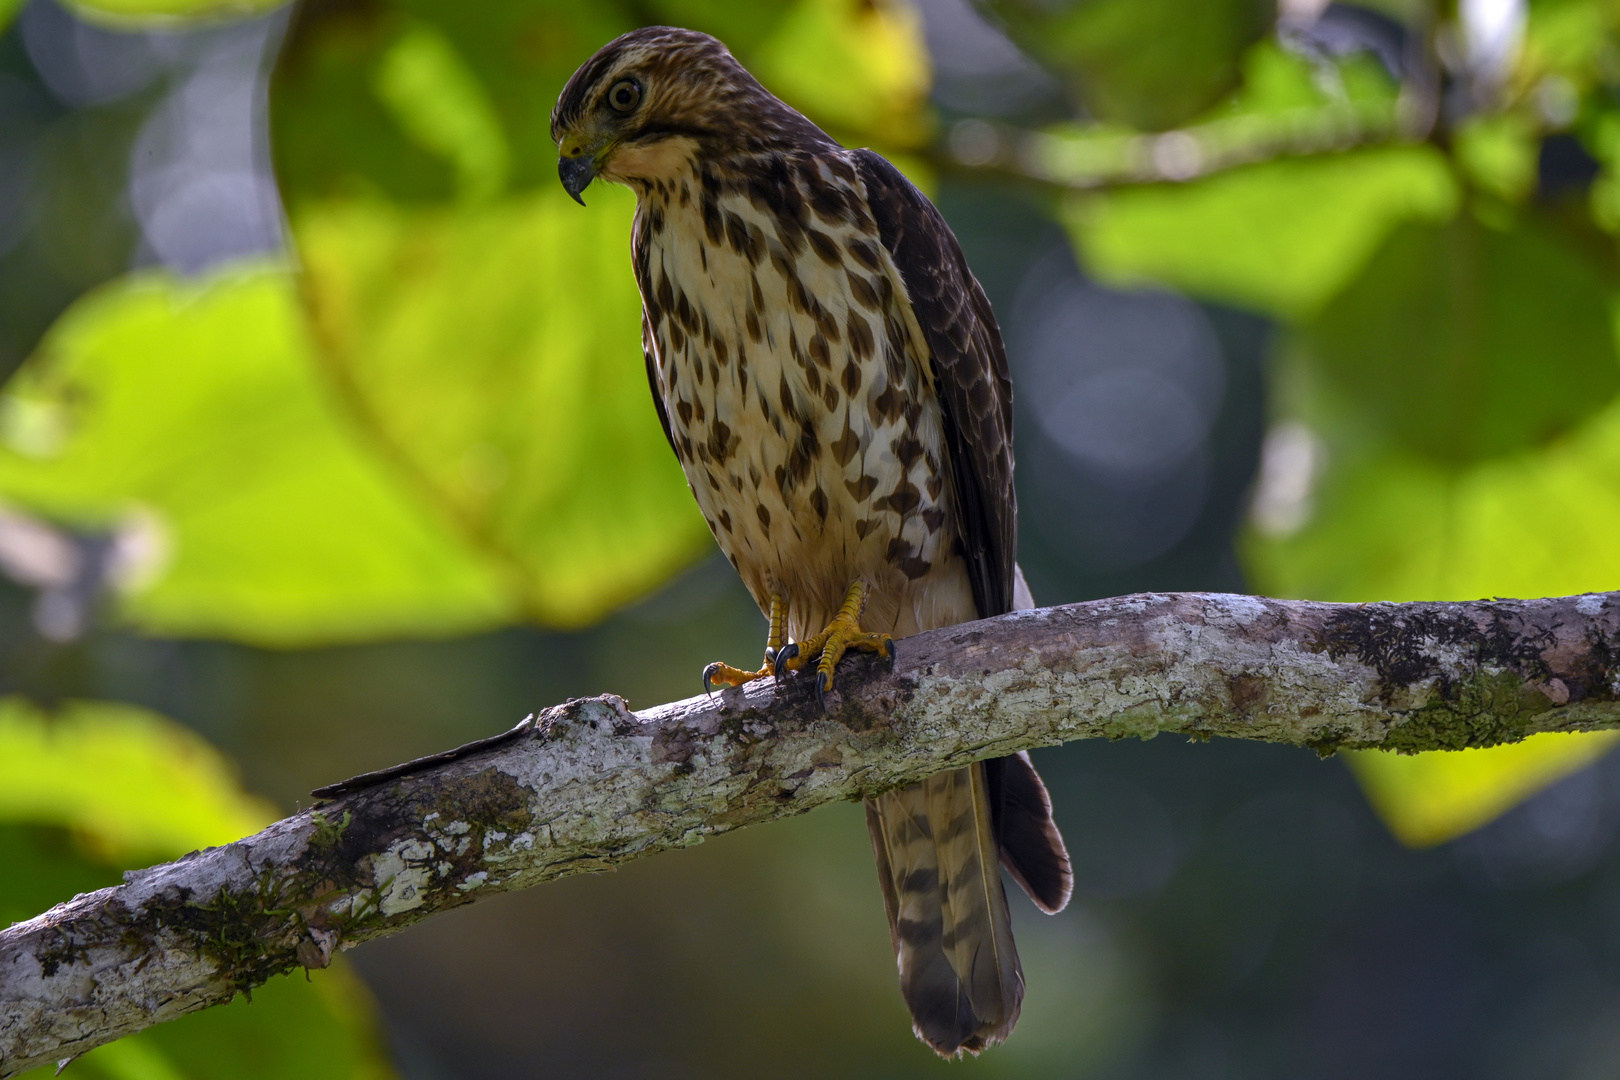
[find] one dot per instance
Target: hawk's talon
(841, 635)
(718, 674)
(726, 675)
(784, 660)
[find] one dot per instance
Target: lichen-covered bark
(589, 784)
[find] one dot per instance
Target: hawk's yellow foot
(718, 674)
(841, 635)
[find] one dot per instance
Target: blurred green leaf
(8, 9)
(1498, 153)
(1465, 341)
(131, 780)
(45, 865)
(1289, 107)
(1280, 237)
(442, 107)
(481, 448)
(166, 13)
(1396, 526)
(1393, 525)
(1153, 64)
(86, 790)
(332, 133)
(855, 66)
(496, 354)
(354, 107)
(199, 409)
(1570, 39)
(1426, 799)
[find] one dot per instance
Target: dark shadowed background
(326, 444)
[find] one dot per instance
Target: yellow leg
(718, 674)
(842, 634)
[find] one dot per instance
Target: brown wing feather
(647, 350)
(970, 374)
(649, 342)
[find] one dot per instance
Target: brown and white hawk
(832, 380)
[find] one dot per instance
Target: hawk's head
(650, 102)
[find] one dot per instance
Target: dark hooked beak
(577, 174)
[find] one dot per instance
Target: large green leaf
(1393, 525)
(1429, 798)
(496, 354)
(200, 410)
(1464, 382)
(134, 782)
(1150, 63)
(1465, 341)
(98, 787)
(1281, 237)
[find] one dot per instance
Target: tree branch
(589, 784)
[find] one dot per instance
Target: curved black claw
(822, 686)
(783, 655)
(708, 673)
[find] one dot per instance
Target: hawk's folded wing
(969, 369)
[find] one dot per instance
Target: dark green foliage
(1154, 64)
(1466, 341)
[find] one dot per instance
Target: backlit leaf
(131, 780)
(1465, 341)
(442, 107)
(201, 408)
(1280, 237)
(490, 347)
(95, 787)
(856, 67)
(1395, 526)
(1426, 799)
(496, 354)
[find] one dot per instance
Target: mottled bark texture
(589, 784)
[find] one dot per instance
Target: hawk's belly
(802, 414)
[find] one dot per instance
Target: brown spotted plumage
(831, 379)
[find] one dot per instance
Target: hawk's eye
(625, 95)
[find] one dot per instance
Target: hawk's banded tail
(938, 845)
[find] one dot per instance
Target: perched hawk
(831, 378)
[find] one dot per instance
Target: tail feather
(1031, 847)
(936, 851)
